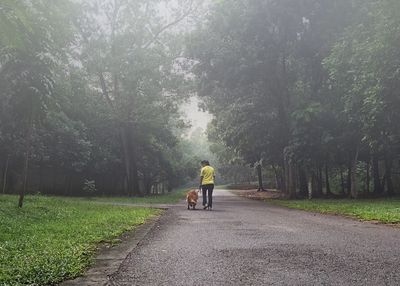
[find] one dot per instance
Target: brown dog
(191, 198)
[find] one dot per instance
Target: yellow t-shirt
(208, 174)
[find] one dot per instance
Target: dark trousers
(207, 193)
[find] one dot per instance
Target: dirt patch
(254, 195)
(242, 187)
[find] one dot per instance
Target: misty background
(126, 97)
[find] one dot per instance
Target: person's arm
(214, 176)
(201, 178)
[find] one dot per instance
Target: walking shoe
(205, 206)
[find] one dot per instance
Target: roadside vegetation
(52, 239)
(90, 98)
(381, 210)
(308, 91)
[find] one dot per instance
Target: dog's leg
(188, 207)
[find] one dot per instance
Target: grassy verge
(381, 210)
(52, 239)
(169, 198)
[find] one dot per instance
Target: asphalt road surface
(245, 242)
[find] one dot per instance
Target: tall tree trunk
(388, 174)
(126, 160)
(54, 178)
(311, 186)
(327, 184)
(26, 160)
(130, 160)
(368, 177)
(319, 184)
(147, 185)
(25, 180)
(320, 181)
(6, 174)
(342, 183)
(282, 90)
(292, 180)
(376, 177)
(69, 185)
(66, 182)
(354, 187)
(285, 180)
(348, 183)
(40, 188)
(127, 141)
(278, 178)
(260, 179)
(303, 183)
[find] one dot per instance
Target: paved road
(245, 242)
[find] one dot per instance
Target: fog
(198, 118)
(112, 111)
(302, 94)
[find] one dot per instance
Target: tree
(363, 69)
(91, 93)
(302, 86)
(29, 51)
(131, 60)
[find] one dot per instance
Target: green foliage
(52, 239)
(91, 90)
(308, 88)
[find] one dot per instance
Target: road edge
(269, 202)
(108, 259)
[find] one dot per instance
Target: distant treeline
(89, 98)
(309, 89)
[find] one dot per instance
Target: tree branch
(104, 89)
(169, 25)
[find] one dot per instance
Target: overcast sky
(190, 109)
(197, 117)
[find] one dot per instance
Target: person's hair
(205, 162)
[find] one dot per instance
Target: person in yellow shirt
(207, 179)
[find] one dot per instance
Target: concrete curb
(108, 260)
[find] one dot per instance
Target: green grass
(169, 198)
(52, 239)
(381, 210)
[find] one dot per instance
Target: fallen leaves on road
(253, 194)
